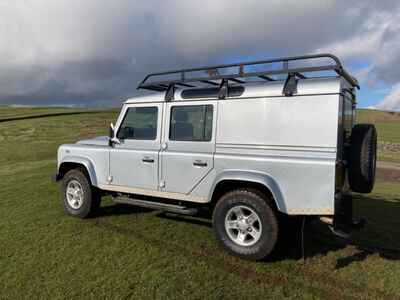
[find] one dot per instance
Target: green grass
(388, 132)
(127, 252)
(388, 126)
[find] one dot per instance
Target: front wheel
(79, 198)
(245, 224)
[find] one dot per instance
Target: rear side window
(191, 123)
(140, 123)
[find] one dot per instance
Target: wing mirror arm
(112, 139)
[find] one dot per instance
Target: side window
(191, 123)
(140, 123)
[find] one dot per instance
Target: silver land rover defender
(249, 141)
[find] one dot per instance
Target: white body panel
(134, 163)
(307, 122)
(178, 171)
(289, 144)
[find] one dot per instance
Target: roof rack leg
(290, 86)
(223, 89)
(169, 94)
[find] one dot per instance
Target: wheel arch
(235, 179)
(73, 162)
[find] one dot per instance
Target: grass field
(388, 126)
(127, 252)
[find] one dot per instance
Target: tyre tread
(259, 201)
(92, 197)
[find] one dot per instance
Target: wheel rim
(243, 225)
(74, 194)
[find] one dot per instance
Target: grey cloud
(391, 101)
(94, 51)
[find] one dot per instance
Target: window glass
(191, 123)
(140, 123)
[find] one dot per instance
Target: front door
(134, 162)
(188, 145)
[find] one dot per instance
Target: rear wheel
(79, 198)
(245, 224)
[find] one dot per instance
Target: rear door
(188, 147)
(134, 162)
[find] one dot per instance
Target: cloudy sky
(94, 52)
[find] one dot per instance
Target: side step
(157, 205)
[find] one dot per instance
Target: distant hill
(388, 126)
(377, 116)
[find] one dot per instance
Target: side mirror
(111, 131)
(112, 139)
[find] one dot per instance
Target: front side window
(191, 123)
(140, 123)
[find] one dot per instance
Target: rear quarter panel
(290, 139)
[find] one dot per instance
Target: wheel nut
(249, 229)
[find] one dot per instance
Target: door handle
(147, 159)
(199, 163)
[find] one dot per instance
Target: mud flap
(344, 222)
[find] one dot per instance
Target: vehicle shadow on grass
(289, 244)
(118, 209)
(317, 239)
(379, 237)
(200, 219)
(381, 233)
(297, 240)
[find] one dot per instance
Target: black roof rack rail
(212, 74)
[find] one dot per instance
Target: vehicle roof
(309, 86)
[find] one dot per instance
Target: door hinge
(109, 179)
(162, 184)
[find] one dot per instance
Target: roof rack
(212, 74)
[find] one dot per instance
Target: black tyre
(79, 198)
(362, 158)
(245, 224)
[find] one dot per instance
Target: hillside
(377, 116)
